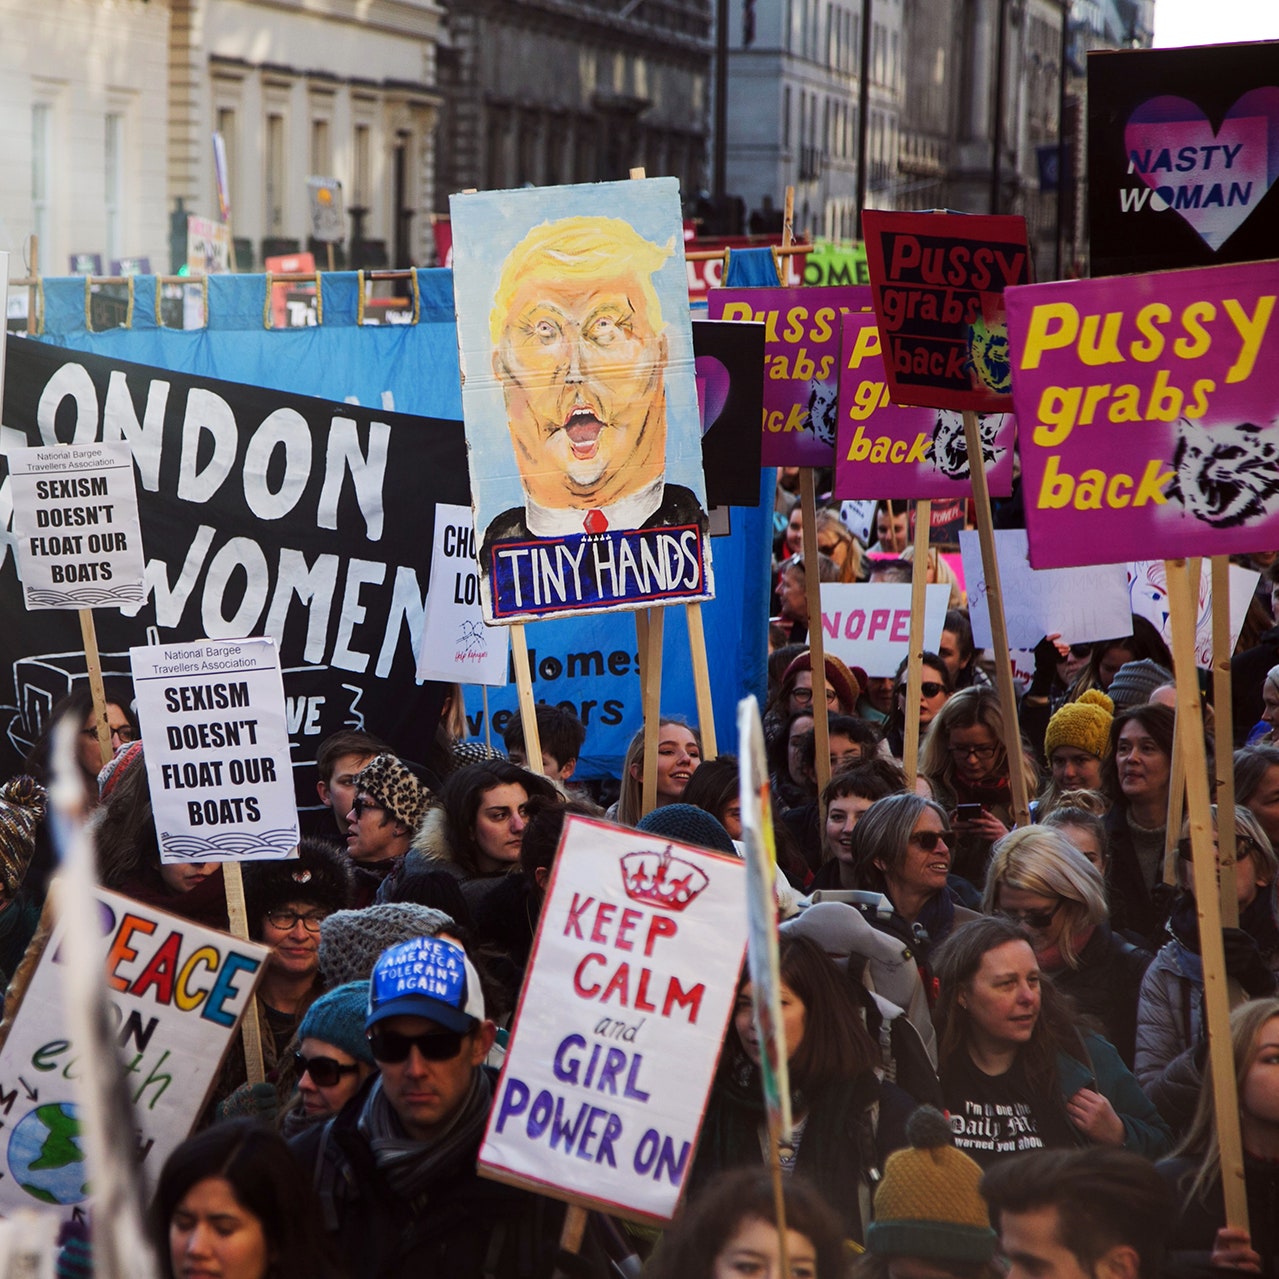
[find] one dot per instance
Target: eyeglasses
(804, 696)
(929, 839)
(982, 753)
(1037, 920)
(123, 734)
(392, 1047)
(360, 806)
(324, 1071)
(1081, 650)
(1244, 847)
(287, 920)
(928, 688)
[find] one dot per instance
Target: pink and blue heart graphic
(713, 381)
(1212, 179)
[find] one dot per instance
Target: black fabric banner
(262, 514)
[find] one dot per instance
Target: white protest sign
(75, 526)
(216, 749)
(628, 995)
(868, 625)
(859, 518)
(1079, 604)
(456, 645)
(1148, 592)
(177, 990)
(324, 196)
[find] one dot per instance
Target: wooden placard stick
(1183, 605)
(238, 918)
(1224, 733)
(1177, 773)
(528, 707)
(998, 626)
(701, 679)
(914, 667)
(779, 1192)
(571, 1233)
(92, 660)
(651, 693)
(816, 640)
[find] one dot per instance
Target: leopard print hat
(389, 781)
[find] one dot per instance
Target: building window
(786, 116)
(41, 128)
(114, 165)
(276, 174)
(230, 143)
(321, 151)
(363, 166)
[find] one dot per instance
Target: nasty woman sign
(1183, 156)
(620, 1023)
(1149, 412)
(579, 394)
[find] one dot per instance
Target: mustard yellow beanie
(928, 1204)
(1084, 724)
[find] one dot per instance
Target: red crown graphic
(660, 879)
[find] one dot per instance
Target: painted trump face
(581, 356)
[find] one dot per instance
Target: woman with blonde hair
(835, 540)
(1038, 878)
(1194, 1171)
(679, 752)
(965, 760)
(1169, 1010)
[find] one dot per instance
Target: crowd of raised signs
(1039, 986)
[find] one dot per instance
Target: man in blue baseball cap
(396, 1169)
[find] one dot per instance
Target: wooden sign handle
(1224, 732)
(816, 640)
(528, 707)
(701, 679)
(914, 668)
(238, 918)
(93, 662)
(649, 625)
(998, 626)
(1183, 605)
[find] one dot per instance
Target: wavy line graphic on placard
(229, 844)
(86, 596)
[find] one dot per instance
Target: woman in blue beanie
(333, 1058)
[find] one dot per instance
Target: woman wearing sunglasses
(1039, 880)
(1170, 1009)
(965, 760)
(286, 902)
(1017, 1072)
(934, 691)
(332, 1059)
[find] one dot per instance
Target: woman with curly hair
(965, 761)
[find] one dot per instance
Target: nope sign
(869, 625)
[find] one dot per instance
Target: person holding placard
(128, 851)
(1037, 879)
(1201, 1241)
(846, 1120)
(935, 690)
(965, 760)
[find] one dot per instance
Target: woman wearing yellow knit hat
(930, 1219)
(1075, 744)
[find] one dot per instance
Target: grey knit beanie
(352, 940)
(1135, 681)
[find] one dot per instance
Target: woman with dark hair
(730, 1232)
(959, 652)
(129, 854)
(1039, 879)
(1107, 656)
(935, 689)
(78, 707)
(965, 760)
(852, 742)
(1257, 785)
(848, 797)
(233, 1202)
(1137, 775)
(840, 1138)
(714, 789)
(477, 829)
(791, 785)
(1016, 1070)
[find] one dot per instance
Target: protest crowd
(1050, 1005)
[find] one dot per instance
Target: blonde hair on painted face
(582, 249)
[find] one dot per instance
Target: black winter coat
(1197, 1222)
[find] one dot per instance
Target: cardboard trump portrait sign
(579, 394)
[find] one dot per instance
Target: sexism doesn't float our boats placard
(630, 987)
(217, 749)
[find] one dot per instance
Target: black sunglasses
(929, 839)
(1244, 847)
(1038, 920)
(927, 688)
(1081, 650)
(392, 1047)
(360, 806)
(324, 1071)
